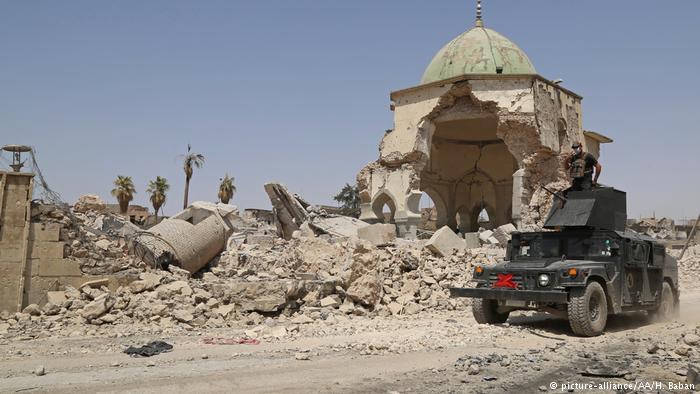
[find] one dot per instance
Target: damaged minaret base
(190, 239)
(293, 213)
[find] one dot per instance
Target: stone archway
(469, 165)
(382, 200)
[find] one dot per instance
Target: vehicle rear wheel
(588, 310)
(486, 312)
(668, 307)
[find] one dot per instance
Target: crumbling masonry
(482, 131)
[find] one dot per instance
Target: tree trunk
(225, 199)
(123, 206)
(187, 191)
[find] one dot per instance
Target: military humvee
(586, 269)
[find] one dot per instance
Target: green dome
(477, 51)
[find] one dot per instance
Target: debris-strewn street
(442, 351)
(224, 206)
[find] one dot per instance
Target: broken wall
(32, 254)
(534, 121)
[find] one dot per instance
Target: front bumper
(554, 296)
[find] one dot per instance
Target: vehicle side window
(639, 252)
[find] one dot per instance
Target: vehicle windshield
(555, 245)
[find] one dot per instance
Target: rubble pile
(297, 281)
(689, 268)
(92, 237)
(663, 228)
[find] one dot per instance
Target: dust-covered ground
(441, 351)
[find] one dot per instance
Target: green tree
(191, 161)
(226, 189)
(158, 190)
(349, 199)
(124, 192)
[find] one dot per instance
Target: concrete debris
(339, 226)
(40, 371)
(378, 234)
(81, 237)
(445, 242)
(288, 211)
(292, 214)
(90, 202)
(485, 235)
(502, 233)
(303, 280)
(472, 240)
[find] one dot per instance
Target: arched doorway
(470, 166)
(384, 207)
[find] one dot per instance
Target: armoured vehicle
(586, 268)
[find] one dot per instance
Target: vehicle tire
(668, 308)
(486, 312)
(588, 310)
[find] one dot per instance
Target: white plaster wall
(515, 95)
(409, 109)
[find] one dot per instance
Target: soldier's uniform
(581, 170)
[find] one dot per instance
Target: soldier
(580, 165)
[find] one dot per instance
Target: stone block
(45, 232)
(485, 235)
(59, 267)
(56, 297)
(472, 240)
(46, 250)
(9, 286)
(266, 241)
(502, 233)
(12, 235)
(11, 254)
(445, 242)
(378, 234)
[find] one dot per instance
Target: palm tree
(124, 192)
(191, 161)
(349, 198)
(158, 189)
(226, 189)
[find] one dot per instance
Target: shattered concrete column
(289, 213)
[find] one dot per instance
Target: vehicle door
(636, 289)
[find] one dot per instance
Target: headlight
(478, 270)
(543, 280)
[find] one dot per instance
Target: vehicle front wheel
(588, 310)
(486, 312)
(668, 308)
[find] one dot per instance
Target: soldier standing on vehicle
(580, 165)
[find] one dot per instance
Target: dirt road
(440, 352)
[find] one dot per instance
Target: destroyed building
(482, 130)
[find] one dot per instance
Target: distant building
(260, 215)
(137, 214)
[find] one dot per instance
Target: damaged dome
(478, 51)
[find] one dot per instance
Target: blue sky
(297, 92)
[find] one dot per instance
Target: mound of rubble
(689, 268)
(301, 280)
(91, 235)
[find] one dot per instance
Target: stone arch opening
(384, 207)
(470, 166)
(433, 210)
